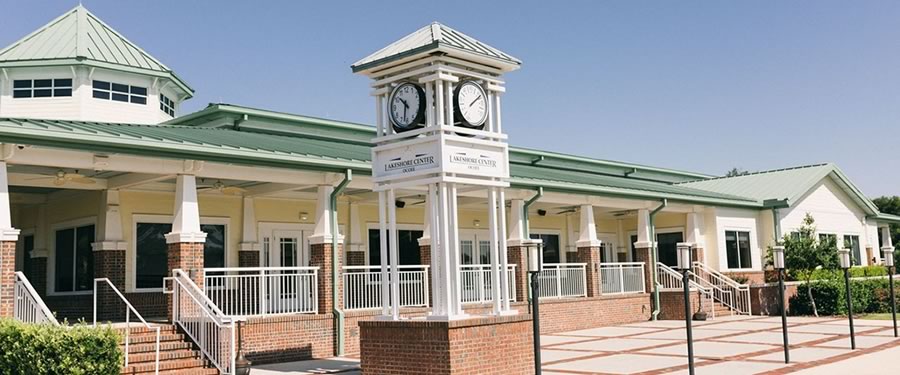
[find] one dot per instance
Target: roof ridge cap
(760, 172)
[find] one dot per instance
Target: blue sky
(700, 86)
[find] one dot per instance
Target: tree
(804, 253)
(734, 172)
(891, 205)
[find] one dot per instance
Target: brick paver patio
(730, 345)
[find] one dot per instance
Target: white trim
(51, 253)
(751, 233)
(131, 252)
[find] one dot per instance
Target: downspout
(335, 256)
(777, 224)
(654, 256)
(526, 233)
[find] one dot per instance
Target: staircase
(176, 353)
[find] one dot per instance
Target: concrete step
(163, 356)
(151, 338)
(163, 346)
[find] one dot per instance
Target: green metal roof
(786, 185)
(432, 37)
(80, 37)
(262, 149)
(271, 122)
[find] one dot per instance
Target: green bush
(868, 296)
(825, 274)
(40, 349)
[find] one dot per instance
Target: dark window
(737, 247)
(101, 85)
(120, 92)
(27, 247)
(668, 247)
(166, 105)
(828, 239)
(139, 99)
(139, 90)
(152, 259)
(119, 97)
(118, 87)
(551, 247)
(74, 259)
(852, 242)
(42, 88)
(214, 248)
(407, 242)
(101, 94)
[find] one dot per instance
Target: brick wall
(188, 256)
(753, 277)
(672, 303)
(288, 338)
(320, 255)
(111, 265)
(764, 298)
(591, 256)
(248, 258)
(643, 255)
(7, 277)
(517, 255)
(457, 347)
(356, 258)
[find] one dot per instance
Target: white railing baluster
(203, 321)
(28, 305)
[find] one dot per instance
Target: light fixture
(399, 203)
(684, 255)
(304, 216)
(534, 257)
(887, 255)
(476, 223)
(778, 257)
(844, 255)
(542, 212)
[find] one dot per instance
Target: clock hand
(473, 102)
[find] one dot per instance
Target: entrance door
(667, 243)
(474, 248)
(285, 248)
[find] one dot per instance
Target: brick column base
(425, 260)
(697, 254)
(7, 277)
(187, 256)
(356, 258)
(572, 257)
(643, 255)
(516, 255)
(672, 303)
(320, 255)
(591, 256)
(467, 346)
(249, 258)
(111, 265)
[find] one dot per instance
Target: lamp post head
(844, 255)
(535, 263)
(684, 255)
(887, 254)
(778, 257)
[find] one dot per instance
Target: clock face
(407, 107)
(471, 104)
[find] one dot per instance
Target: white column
(356, 239)
(425, 240)
(41, 233)
(382, 228)
(624, 246)
(695, 229)
(322, 232)
(495, 256)
(588, 229)
(453, 242)
(109, 233)
(571, 238)
(504, 262)
(395, 259)
(643, 227)
(886, 236)
(437, 250)
(516, 222)
(186, 226)
(7, 232)
(249, 240)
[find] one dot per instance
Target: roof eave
(387, 62)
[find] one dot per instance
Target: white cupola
(78, 68)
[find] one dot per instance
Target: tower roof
(437, 36)
(80, 37)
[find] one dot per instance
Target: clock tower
(437, 94)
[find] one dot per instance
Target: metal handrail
(127, 319)
(209, 310)
(677, 277)
(21, 281)
(743, 290)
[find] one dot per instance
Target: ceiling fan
(62, 177)
(225, 189)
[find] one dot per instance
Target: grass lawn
(884, 316)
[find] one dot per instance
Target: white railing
(736, 296)
(622, 278)
(563, 280)
(476, 285)
(28, 306)
(128, 311)
(362, 287)
(262, 291)
(203, 322)
(671, 279)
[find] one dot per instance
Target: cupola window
(120, 92)
(166, 105)
(42, 88)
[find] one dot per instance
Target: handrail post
(95, 303)
(263, 298)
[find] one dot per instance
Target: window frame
(131, 266)
(52, 88)
(51, 256)
(862, 261)
(167, 108)
(560, 243)
(376, 226)
(737, 239)
(129, 93)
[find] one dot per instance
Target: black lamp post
(684, 264)
(887, 253)
(844, 255)
(535, 264)
(778, 259)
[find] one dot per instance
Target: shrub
(48, 349)
(868, 296)
(824, 274)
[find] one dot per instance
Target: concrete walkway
(729, 345)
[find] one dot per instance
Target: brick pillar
(187, 256)
(591, 256)
(425, 260)
(111, 265)
(249, 258)
(697, 254)
(7, 277)
(356, 258)
(517, 255)
(320, 255)
(643, 255)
